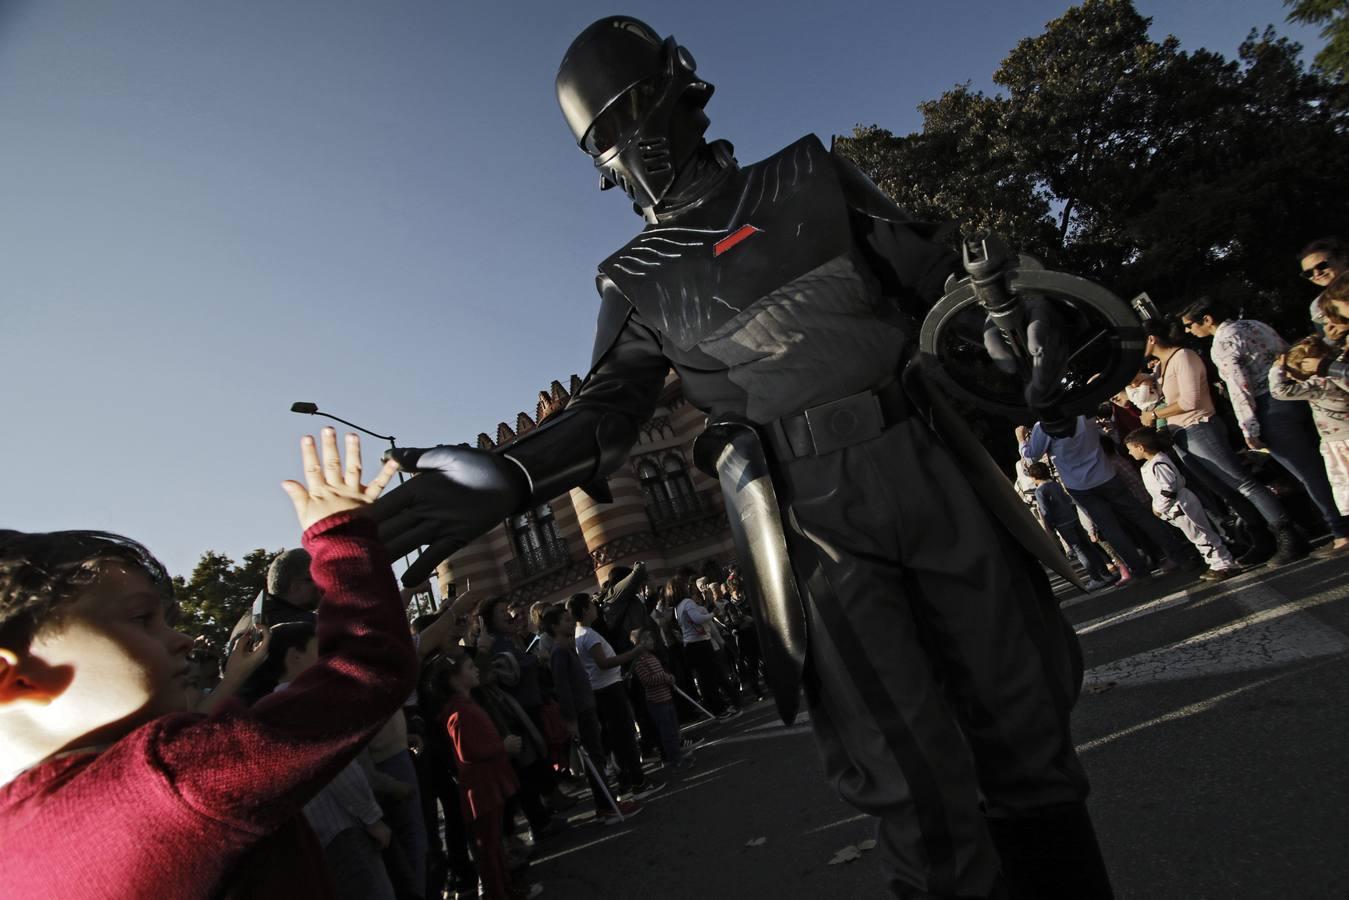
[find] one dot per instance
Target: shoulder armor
(863, 196)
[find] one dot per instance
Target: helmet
(634, 104)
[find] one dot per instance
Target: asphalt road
(1212, 724)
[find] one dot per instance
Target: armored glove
(1043, 350)
(456, 495)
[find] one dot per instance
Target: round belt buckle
(843, 423)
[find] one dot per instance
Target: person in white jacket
(1174, 503)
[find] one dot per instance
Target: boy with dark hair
(108, 786)
(1173, 502)
(659, 699)
(576, 700)
(1060, 517)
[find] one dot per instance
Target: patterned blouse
(1329, 399)
(1243, 351)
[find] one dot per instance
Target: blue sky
(208, 211)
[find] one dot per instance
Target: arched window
(534, 534)
(653, 489)
(678, 485)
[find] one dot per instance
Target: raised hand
(457, 494)
(328, 488)
(248, 654)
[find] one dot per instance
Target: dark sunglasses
(1319, 269)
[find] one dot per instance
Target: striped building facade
(664, 512)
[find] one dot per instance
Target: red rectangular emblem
(734, 238)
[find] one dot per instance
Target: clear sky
(210, 210)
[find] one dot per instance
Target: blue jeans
(355, 867)
(1087, 553)
(1110, 505)
(667, 724)
(1205, 445)
(404, 817)
(1287, 429)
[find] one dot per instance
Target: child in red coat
(486, 777)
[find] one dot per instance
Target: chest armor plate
(775, 221)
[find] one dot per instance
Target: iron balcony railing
(667, 510)
(533, 561)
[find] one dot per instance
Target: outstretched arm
(253, 769)
(461, 492)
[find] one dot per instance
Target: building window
(668, 489)
(653, 490)
(678, 485)
(538, 546)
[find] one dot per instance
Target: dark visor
(620, 118)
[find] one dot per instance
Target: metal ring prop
(1100, 338)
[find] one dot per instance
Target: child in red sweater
(109, 787)
(486, 778)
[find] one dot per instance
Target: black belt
(840, 423)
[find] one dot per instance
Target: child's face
(114, 659)
(642, 640)
(1136, 451)
(566, 627)
(1335, 332)
(468, 678)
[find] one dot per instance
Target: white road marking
(1134, 612)
(1275, 631)
(838, 823)
(569, 850)
(1184, 711)
(763, 735)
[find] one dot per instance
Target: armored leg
(941, 672)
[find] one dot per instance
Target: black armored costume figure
(938, 670)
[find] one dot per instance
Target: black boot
(1262, 548)
(1052, 855)
(1291, 544)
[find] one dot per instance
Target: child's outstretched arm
(253, 769)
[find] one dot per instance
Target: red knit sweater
(187, 806)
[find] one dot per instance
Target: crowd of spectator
(1259, 499)
(341, 751)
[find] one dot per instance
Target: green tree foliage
(1134, 162)
(219, 592)
(1333, 17)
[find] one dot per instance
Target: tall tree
(1135, 162)
(219, 592)
(1333, 17)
